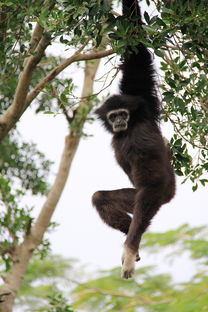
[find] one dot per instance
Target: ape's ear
(97, 111)
(101, 112)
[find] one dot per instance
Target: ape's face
(118, 119)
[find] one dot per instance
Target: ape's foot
(128, 259)
(126, 274)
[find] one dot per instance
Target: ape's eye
(123, 115)
(112, 116)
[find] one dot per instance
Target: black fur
(140, 151)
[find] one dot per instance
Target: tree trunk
(24, 251)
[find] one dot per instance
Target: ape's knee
(98, 199)
(169, 195)
(169, 192)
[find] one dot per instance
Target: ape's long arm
(137, 68)
(132, 117)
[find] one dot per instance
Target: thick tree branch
(36, 36)
(54, 195)
(38, 43)
(2, 295)
(12, 114)
(23, 252)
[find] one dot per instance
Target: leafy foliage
(22, 168)
(59, 304)
(179, 37)
(23, 165)
(195, 240)
(42, 281)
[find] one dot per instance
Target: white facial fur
(117, 121)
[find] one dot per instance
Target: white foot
(128, 259)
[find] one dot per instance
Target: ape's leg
(114, 206)
(147, 203)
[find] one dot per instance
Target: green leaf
(149, 29)
(179, 172)
(169, 11)
(146, 16)
(49, 113)
(195, 187)
(159, 53)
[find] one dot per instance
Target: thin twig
(61, 104)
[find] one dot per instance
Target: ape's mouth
(120, 127)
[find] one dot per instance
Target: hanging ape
(133, 119)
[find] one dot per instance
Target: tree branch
(61, 104)
(36, 36)
(74, 58)
(38, 43)
(12, 114)
(3, 294)
(42, 223)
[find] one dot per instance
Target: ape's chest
(123, 162)
(124, 154)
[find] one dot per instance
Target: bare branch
(115, 13)
(94, 55)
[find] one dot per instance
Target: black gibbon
(133, 119)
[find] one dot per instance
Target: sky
(81, 234)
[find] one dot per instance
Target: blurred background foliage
(57, 283)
